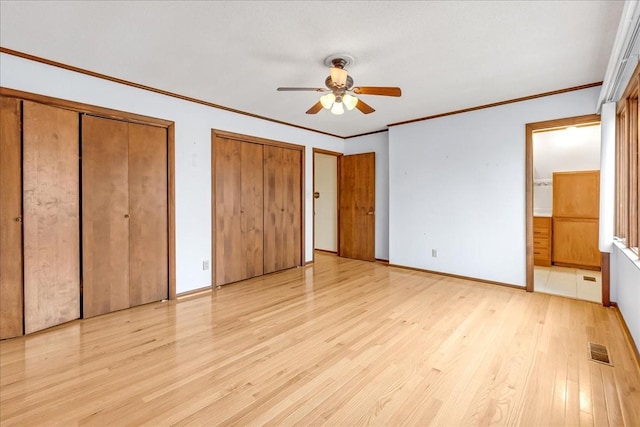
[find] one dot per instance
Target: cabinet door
(148, 226)
(238, 203)
(10, 219)
(51, 216)
(105, 215)
(575, 242)
(282, 209)
(576, 194)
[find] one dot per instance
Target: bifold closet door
(238, 202)
(10, 219)
(105, 215)
(148, 221)
(282, 208)
(51, 223)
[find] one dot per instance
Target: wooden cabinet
(542, 234)
(576, 201)
(124, 215)
(257, 204)
(576, 242)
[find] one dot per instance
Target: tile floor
(568, 282)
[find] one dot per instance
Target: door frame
(530, 128)
(108, 113)
(337, 155)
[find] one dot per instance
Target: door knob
(370, 213)
(18, 219)
(126, 215)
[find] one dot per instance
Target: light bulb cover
(349, 101)
(338, 76)
(337, 108)
(327, 100)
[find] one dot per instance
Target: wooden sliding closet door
(282, 210)
(51, 216)
(10, 219)
(238, 210)
(105, 215)
(148, 224)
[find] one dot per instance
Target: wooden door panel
(51, 216)
(357, 207)
(227, 199)
(251, 209)
(576, 194)
(575, 242)
(10, 219)
(282, 211)
(105, 210)
(148, 226)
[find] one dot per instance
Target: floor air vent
(599, 353)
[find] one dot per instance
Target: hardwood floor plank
(339, 342)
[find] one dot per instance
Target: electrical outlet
(434, 253)
(205, 264)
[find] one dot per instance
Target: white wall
(625, 287)
(379, 144)
(193, 124)
(326, 206)
(457, 184)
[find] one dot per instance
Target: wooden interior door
(10, 218)
(357, 223)
(148, 221)
(238, 199)
(105, 215)
(51, 203)
(283, 207)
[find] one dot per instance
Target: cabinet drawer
(540, 242)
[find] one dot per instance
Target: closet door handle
(126, 215)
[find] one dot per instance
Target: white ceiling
(445, 56)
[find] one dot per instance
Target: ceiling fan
(339, 86)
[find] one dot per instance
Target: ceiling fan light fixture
(327, 100)
(338, 76)
(349, 101)
(337, 108)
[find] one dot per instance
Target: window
(627, 226)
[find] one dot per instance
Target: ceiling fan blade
(316, 107)
(377, 90)
(291, 89)
(364, 107)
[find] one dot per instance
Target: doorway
(325, 200)
(563, 162)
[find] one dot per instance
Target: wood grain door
(283, 208)
(238, 206)
(51, 203)
(105, 215)
(10, 218)
(148, 223)
(357, 223)
(575, 242)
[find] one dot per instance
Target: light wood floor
(339, 343)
